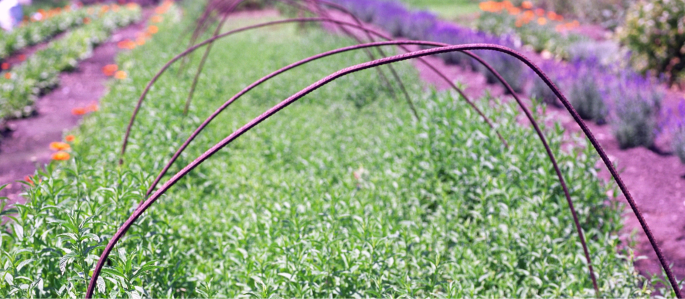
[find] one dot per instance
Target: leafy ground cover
(343, 194)
(22, 84)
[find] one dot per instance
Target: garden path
(25, 145)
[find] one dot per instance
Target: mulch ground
(24, 147)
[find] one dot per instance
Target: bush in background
(655, 31)
(679, 144)
(585, 92)
(417, 25)
(510, 68)
(637, 105)
(678, 141)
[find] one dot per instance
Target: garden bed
(342, 194)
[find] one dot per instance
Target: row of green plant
(342, 194)
(21, 85)
(35, 32)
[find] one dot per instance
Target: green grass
(342, 194)
(464, 12)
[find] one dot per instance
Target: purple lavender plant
(559, 74)
(637, 103)
(417, 25)
(586, 92)
(678, 141)
(511, 69)
(390, 16)
(362, 9)
(453, 35)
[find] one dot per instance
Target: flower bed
(52, 23)
(20, 86)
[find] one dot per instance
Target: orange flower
(60, 156)
(156, 19)
(5, 66)
(132, 6)
(140, 41)
(22, 57)
(527, 4)
(552, 15)
(160, 10)
(542, 21)
(32, 180)
(115, 7)
(8, 76)
(120, 75)
(126, 44)
(93, 107)
(79, 111)
(70, 138)
(518, 23)
(59, 146)
(104, 8)
(514, 11)
(528, 14)
(86, 20)
(540, 12)
(109, 69)
(152, 29)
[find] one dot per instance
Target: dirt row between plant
(655, 178)
(26, 145)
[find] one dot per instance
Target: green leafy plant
(655, 32)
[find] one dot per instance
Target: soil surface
(655, 178)
(25, 147)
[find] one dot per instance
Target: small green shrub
(655, 31)
(586, 97)
(679, 144)
(635, 123)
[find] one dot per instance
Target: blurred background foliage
(655, 32)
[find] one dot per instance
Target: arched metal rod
(378, 44)
(322, 13)
(529, 115)
(124, 228)
(195, 47)
(230, 9)
(371, 39)
(201, 25)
